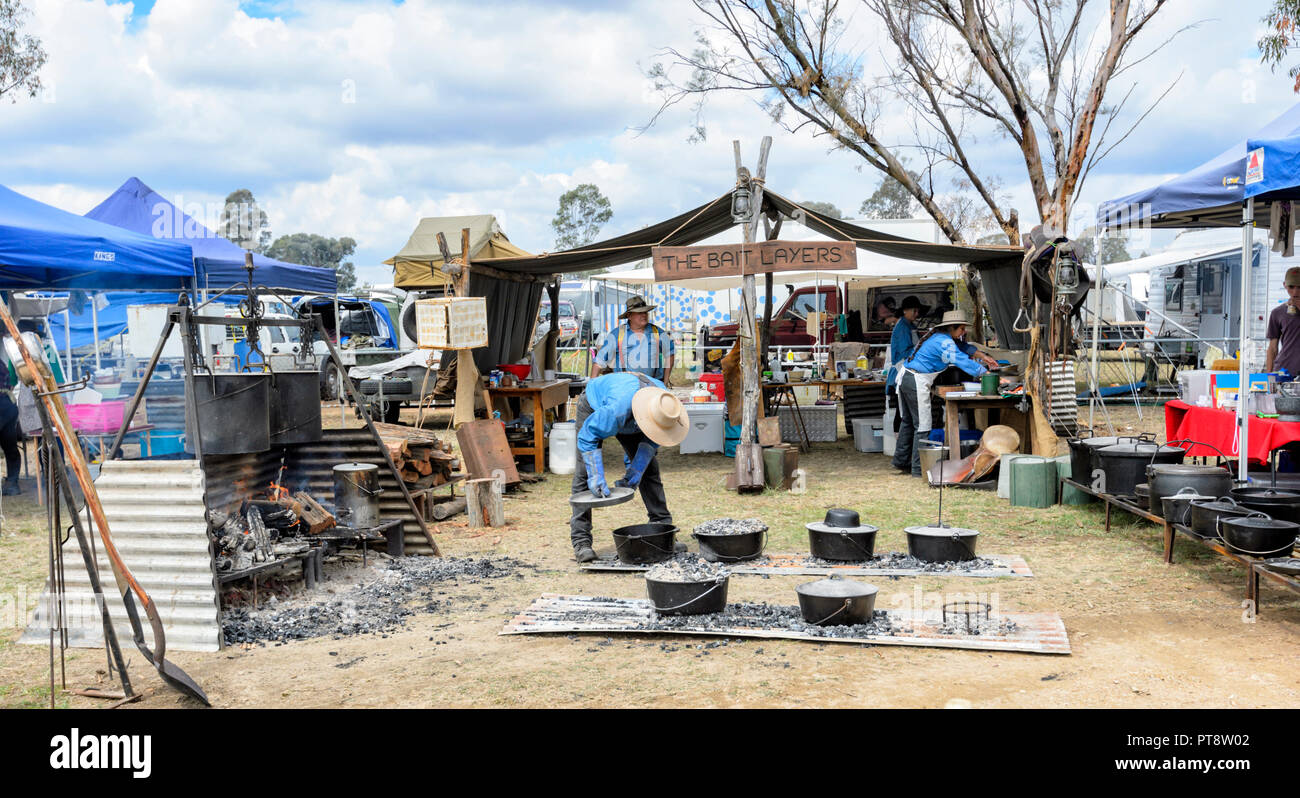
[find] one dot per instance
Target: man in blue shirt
(642, 415)
(637, 345)
(942, 348)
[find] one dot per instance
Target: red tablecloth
(1218, 428)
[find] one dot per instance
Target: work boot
(11, 487)
(583, 552)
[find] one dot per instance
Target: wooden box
(451, 323)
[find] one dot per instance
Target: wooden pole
(748, 309)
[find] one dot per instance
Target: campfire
(266, 527)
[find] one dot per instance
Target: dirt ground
(1143, 634)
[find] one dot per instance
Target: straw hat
(660, 415)
(636, 305)
(1292, 277)
(953, 318)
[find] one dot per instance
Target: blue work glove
(644, 454)
(595, 473)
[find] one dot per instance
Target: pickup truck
(790, 327)
(386, 392)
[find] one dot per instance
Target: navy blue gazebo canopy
(42, 247)
(218, 261)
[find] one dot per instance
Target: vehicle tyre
(330, 385)
(369, 387)
(408, 323)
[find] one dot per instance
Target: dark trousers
(651, 487)
(10, 435)
(908, 447)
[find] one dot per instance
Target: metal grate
(1034, 632)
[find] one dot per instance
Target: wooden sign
(730, 260)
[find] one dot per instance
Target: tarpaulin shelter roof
(1263, 166)
(715, 217)
(42, 247)
(218, 261)
(418, 264)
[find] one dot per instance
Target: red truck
(789, 323)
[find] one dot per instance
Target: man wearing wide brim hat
(636, 345)
(941, 348)
(642, 415)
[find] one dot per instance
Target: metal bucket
(295, 407)
(932, 453)
(234, 413)
(356, 494)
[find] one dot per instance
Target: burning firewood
(316, 518)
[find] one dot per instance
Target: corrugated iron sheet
(156, 514)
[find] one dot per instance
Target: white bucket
(564, 447)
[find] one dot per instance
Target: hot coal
(904, 561)
(687, 568)
(378, 605)
(731, 526)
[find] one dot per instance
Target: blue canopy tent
(43, 248)
(219, 262)
(1227, 191)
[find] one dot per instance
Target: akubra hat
(953, 318)
(660, 415)
(636, 305)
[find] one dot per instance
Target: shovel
(37, 374)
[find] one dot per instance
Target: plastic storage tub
(100, 418)
(706, 433)
(868, 434)
(713, 382)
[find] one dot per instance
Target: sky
(359, 117)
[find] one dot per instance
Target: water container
(1033, 482)
(1069, 493)
(564, 447)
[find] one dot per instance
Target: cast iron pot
(1167, 480)
(1258, 535)
(1143, 493)
(1284, 505)
(1125, 464)
(731, 548)
(1178, 507)
(234, 412)
(688, 598)
(835, 602)
(941, 543)
(644, 543)
(1204, 517)
(842, 537)
(1081, 451)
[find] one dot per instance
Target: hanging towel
(1282, 228)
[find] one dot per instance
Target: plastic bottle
(564, 447)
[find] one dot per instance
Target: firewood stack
(423, 460)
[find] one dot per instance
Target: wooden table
(953, 407)
(544, 396)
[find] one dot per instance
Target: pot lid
(1266, 493)
(821, 526)
(1220, 506)
(1189, 497)
(1181, 470)
(1255, 522)
(941, 531)
(1109, 440)
(1139, 449)
(837, 588)
(1142, 489)
(837, 516)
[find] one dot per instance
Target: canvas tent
(218, 262)
(42, 247)
(419, 264)
(1236, 187)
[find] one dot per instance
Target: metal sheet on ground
(804, 565)
(1035, 632)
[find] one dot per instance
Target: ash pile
(378, 605)
(266, 529)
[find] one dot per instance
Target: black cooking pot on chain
(1258, 535)
(1203, 517)
(1124, 464)
(941, 543)
(1284, 505)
